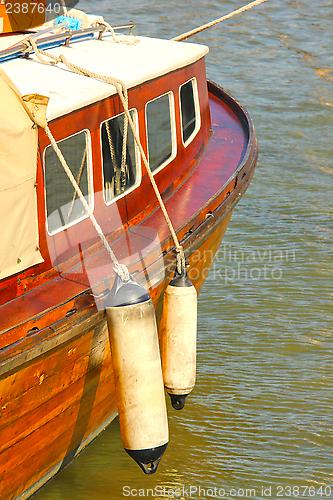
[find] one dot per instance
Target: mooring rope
(123, 94)
(186, 35)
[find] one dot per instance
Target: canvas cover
(18, 204)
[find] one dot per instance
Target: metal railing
(56, 40)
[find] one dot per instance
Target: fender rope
(120, 269)
(123, 94)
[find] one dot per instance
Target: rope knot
(129, 41)
(28, 46)
(181, 261)
(32, 46)
(122, 272)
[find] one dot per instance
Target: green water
(259, 422)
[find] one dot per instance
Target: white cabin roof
(134, 64)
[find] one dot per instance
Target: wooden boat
(57, 390)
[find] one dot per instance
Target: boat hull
(56, 384)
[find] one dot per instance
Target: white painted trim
(90, 182)
(197, 111)
(173, 129)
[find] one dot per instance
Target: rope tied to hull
(121, 88)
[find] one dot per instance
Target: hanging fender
(137, 372)
(179, 331)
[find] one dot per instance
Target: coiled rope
(186, 35)
(123, 94)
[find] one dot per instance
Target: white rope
(219, 20)
(83, 162)
(122, 92)
(179, 249)
(129, 41)
(120, 269)
(107, 27)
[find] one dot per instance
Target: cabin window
(190, 114)
(118, 180)
(63, 206)
(160, 131)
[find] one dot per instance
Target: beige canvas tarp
(18, 205)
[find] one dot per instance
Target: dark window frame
(170, 158)
(137, 158)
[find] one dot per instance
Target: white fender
(138, 378)
(179, 333)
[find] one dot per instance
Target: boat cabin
(168, 102)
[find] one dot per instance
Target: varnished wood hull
(56, 382)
